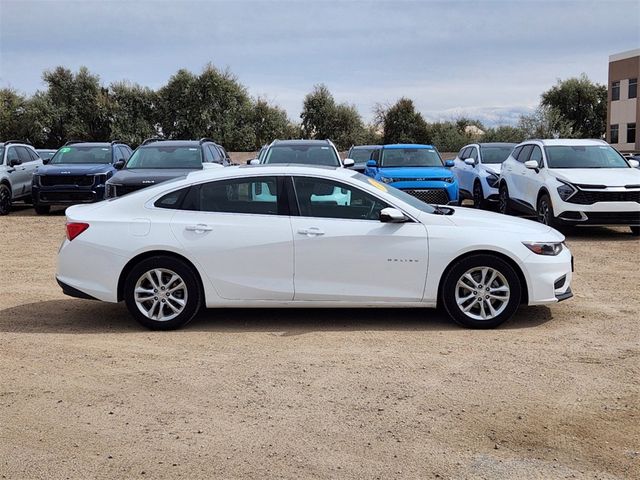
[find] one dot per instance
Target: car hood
(482, 219)
(610, 177)
(150, 176)
(415, 172)
(493, 167)
(75, 169)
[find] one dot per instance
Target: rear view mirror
(15, 162)
(119, 165)
(449, 163)
(255, 161)
(634, 163)
(532, 164)
(372, 163)
(392, 215)
(470, 161)
(45, 161)
(348, 162)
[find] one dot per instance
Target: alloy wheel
(477, 196)
(482, 293)
(5, 200)
(160, 294)
(543, 212)
(504, 200)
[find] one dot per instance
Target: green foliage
(270, 122)
(401, 123)
(504, 134)
(545, 122)
(322, 118)
(133, 111)
(579, 104)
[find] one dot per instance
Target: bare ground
(87, 393)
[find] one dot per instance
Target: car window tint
(33, 154)
(23, 154)
(172, 200)
(12, 154)
(523, 156)
(125, 153)
(536, 154)
(257, 195)
(208, 154)
(516, 152)
(323, 198)
(473, 153)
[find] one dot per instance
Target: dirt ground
(87, 393)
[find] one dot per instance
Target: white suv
(477, 168)
(571, 182)
(18, 162)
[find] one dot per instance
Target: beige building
(623, 108)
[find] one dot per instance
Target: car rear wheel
(163, 293)
(478, 196)
(481, 291)
(5, 199)
(635, 231)
(503, 200)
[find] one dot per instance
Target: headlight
(492, 180)
(386, 179)
(566, 190)
(544, 248)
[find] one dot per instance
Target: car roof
(496, 144)
(569, 142)
(175, 143)
(300, 142)
(407, 145)
(90, 144)
(375, 147)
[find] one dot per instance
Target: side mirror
(372, 163)
(532, 165)
(250, 160)
(119, 165)
(255, 161)
(348, 162)
(449, 163)
(470, 161)
(45, 161)
(634, 163)
(392, 215)
(15, 162)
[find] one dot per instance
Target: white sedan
(270, 236)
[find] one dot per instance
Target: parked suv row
(18, 162)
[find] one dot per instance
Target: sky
(488, 59)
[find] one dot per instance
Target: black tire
(478, 196)
(5, 199)
(503, 200)
(191, 293)
(635, 231)
(545, 214)
(450, 288)
(42, 209)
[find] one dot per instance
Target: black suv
(77, 173)
(158, 160)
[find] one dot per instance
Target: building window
(633, 87)
(631, 133)
(615, 91)
(614, 134)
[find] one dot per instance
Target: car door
(459, 166)
(344, 253)
(243, 242)
(532, 180)
(519, 174)
(470, 170)
(31, 166)
(21, 176)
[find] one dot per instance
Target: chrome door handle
(311, 232)
(199, 228)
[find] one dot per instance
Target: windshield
(496, 154)
(591, 156)
(361, 155)
(158, 156)
(46, 154)
(303, 154)
(77, 154)
(410, 157)
(394, 192)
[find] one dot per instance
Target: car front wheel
(42, 209)
(162, 293)
(545, 211)
(478, 196)
(503, 203)
(481, 291)
(5, 199)
(635, 231)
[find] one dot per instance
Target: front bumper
(68, 195)
(548, 277)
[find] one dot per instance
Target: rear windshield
(303, 154)
(591, 156)
(77, 154)
(410, 157)
(496, 154)
(166, 157)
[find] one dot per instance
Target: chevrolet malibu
(266, 236)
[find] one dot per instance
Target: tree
(504, 133)
(580, 103)
(545, 122)
(401, 123)
(133, 112)
(269, 122)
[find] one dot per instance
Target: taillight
(75, 228)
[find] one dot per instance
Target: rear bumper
(73, 292)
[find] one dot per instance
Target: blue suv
(417, 170)
(77, 173)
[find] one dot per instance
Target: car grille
(67, 197)
(423, 179)
(120, 190)
(589, 197)
(55, 180)
(429, 195)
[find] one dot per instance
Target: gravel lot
(87, 393)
